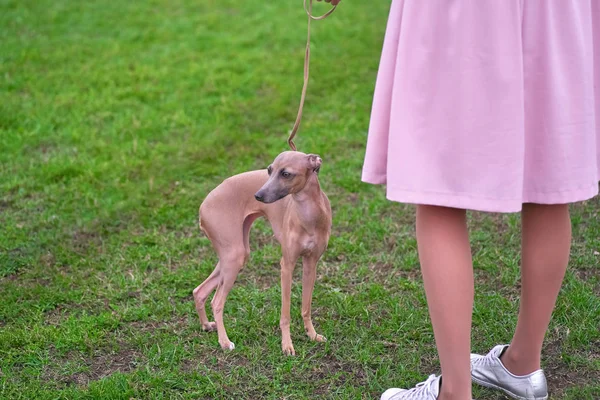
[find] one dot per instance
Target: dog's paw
(227, 346)
(320, 338)
(315, 336)
(288, 349)
(209, 327)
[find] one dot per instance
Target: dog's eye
(285, 174)
(269, 170)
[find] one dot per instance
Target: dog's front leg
(287, 271)
(309, 275)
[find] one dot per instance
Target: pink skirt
(488, 104)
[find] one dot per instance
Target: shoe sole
(514, 396)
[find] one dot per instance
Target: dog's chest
(309, 244)
(307, 228)
(304, 238)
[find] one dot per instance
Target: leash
(306, 69)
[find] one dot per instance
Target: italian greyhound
(288, 194)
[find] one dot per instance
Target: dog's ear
(314, 162)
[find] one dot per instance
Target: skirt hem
(483, 204)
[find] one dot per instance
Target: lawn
(117, 118)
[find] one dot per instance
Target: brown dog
(288, 194)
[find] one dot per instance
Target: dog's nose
(258, 197)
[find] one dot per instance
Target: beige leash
(306, 66)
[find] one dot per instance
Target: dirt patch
(590, 276)
(5, 205)
(47, 148)
(353, 199)
(190, 365)
(331, 373)
(562, 376)
(83, 240)
(55, 317)
(103, 363)
(48, 260)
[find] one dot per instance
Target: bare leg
(546, 243)
(287, 271)
(201, 293)
(309, 275)
(446, 264)
(230, 267)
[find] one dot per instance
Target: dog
(289, 196)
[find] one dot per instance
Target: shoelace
(423, 388)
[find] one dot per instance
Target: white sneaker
(489, 371)
(428, 390)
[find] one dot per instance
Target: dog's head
(288, 174)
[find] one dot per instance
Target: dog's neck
(309, 206)
(311, 192)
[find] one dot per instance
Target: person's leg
(546, 244)
(446, 264)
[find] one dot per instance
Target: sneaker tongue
(499, 350)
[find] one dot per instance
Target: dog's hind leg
(201, 294)
(231, 264)
(233, 249)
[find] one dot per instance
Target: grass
(116, 119)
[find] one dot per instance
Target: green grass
(117, 118)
